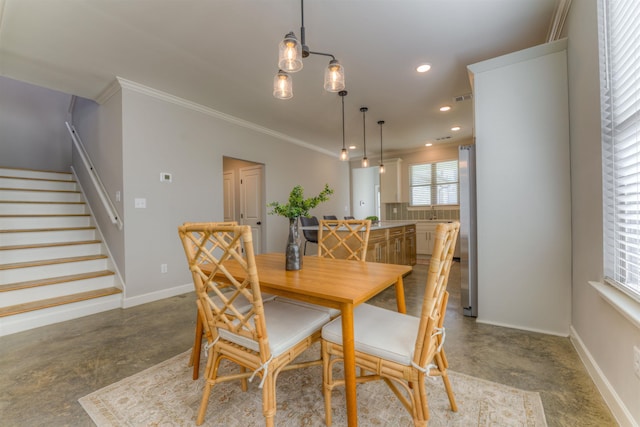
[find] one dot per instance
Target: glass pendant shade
(282, 87)
(365, 162)
(290, 54)
(381, 168)
(334, 77)
(344, 155)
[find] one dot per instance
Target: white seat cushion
(287, 324)
(332, 312)
(379, 332)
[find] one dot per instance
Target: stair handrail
(102, 192)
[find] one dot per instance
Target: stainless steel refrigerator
(468, 233)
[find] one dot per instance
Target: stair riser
(37, 237)
(42, 208)
(18, 183)
(34, 254)
(54, 270)
(48, 316)
(39, 196)
(20, 223)
(51, 291)
(22, 173)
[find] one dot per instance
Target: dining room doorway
(244, 200)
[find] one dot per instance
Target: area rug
(165, 395)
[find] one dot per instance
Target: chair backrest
(436, 295)
(344, 239)
(221, 298)
(349, 217)
(329, 217)
(310, 235)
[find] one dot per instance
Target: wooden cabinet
(377, 247)
(393, 245)
(410, 245)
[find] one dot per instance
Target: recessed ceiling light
(455, 128)
(423, 68)
(428, 144)
(445, 108)
(352, 147)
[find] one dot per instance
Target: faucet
(433, 213)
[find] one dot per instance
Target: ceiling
(223, 54)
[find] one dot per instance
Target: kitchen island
(392, 242)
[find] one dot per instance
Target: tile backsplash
(403, 213)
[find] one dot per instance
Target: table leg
(402, 308)
(349, 364)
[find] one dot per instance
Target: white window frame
(620, 110)
(433, 184)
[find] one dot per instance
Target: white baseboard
(613, 401)
(522, 328)
(158, 295)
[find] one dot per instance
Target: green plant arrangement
(372, 218)
(296, 207)
(299, 206)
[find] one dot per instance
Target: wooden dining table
(334, 283)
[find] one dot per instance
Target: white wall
(602, 335)
(164, 134)
(33, 135)
(363, 185)
(523, 190)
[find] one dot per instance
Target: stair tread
(37, 189)
(41, 202)
(54, 280)
(35, 170)
(35, 179)
(42, 215)
(50, 262)
(27, 230)
(49, 245)
(57, 301)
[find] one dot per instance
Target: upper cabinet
(391, 182)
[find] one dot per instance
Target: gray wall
(603, 335)
(100, 129)
(33, 135)
(161, 133)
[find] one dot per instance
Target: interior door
(252, 203)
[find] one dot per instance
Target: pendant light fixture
(381, 122)
(365, 161)
(344, 153)
(290, 54)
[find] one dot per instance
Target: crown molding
(154, 93)
(111, 89)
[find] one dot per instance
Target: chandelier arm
(323, 54)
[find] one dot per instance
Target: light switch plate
(140, 203)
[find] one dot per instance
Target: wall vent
(442, 138)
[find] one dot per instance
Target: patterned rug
(165, 395)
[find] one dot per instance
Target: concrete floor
(44, 371)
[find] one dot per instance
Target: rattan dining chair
(329, 217)
(400, 349)
(262, 338)
(344, 239)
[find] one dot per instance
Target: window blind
(434, 183)
(620, 98)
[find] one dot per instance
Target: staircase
(53, 265)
